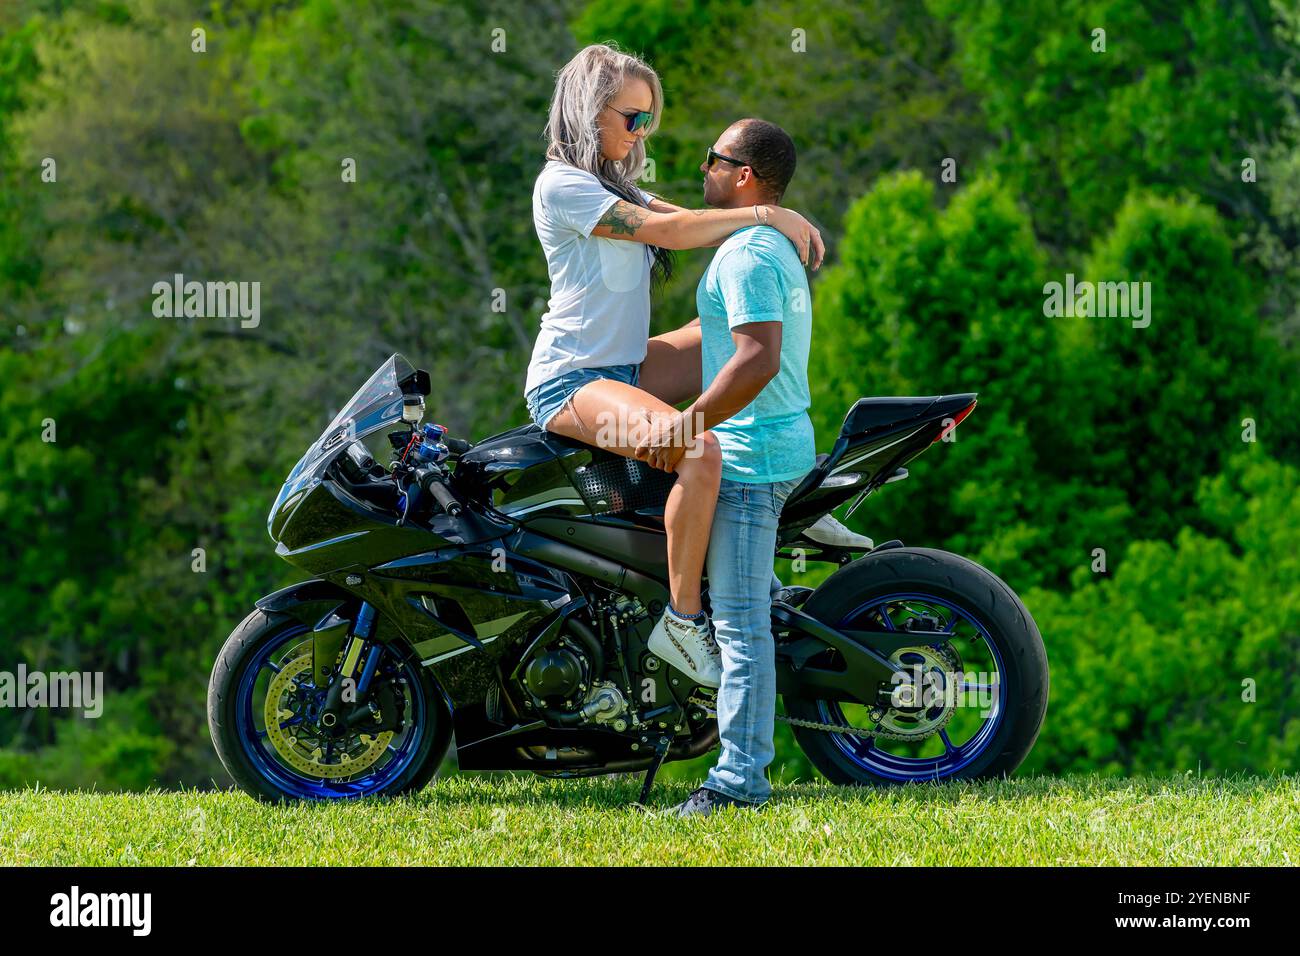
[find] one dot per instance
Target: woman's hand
(807, 240)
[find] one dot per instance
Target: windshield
(375, 404)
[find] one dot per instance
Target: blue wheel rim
(863, 751)
(293, 784)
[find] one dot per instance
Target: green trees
(1090, 434)
(444, 131)
(1173, 399)
(927, 302)
(235, 164)
(1168, 99)
(1185, 659)
(82, 450)
(18, 65)
(173, 434)
(1082, 464)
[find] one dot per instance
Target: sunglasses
(635, 120)
(714, 156)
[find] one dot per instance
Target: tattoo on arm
(623, 218)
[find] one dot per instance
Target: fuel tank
(573, 492)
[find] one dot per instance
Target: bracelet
(756, 219)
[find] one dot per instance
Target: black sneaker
(704, 801)
(795, 595)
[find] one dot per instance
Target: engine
(557, 673)
(571, 681)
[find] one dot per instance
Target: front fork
(359, 654)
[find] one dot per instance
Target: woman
(595, 374)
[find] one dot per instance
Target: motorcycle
(500, 594)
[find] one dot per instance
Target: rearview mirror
(417, 383)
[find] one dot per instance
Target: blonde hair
(586, 85)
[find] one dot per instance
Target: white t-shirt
(599, 310)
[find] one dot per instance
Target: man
(755, 321)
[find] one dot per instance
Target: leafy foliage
(1186, 656)
(173, 434)
(928, 302)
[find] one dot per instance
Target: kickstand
(661, 751)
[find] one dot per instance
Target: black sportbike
(505, 590)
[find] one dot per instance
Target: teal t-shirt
(756, 276)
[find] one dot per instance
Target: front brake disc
(304, 748)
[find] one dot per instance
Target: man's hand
(662, 443)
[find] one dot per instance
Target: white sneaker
(689, 647)
(826, 530)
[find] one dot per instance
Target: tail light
(957, 420)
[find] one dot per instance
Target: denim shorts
(548, 398)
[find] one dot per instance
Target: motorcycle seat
(868, 414)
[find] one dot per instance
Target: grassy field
(524, 820)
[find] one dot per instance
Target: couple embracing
(746, 440)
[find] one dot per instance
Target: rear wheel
(262, 710)
(980, 693)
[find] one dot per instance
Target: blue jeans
(742, 549)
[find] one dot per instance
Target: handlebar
(424, 472)
(431, 481)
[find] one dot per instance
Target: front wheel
(262, 709)
(980, 696)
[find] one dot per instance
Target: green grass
(524, 820)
